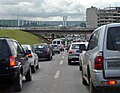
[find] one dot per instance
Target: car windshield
(113, 38)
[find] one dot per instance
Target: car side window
(93, 40)
(18, 48)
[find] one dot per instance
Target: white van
(59, 42)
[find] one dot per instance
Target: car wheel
(18, 83)
(92, 88)
(28, 76)
(37, 67)
(33, 68)
(49, 58)
(80, 67)
(69, 62)
(84, 82)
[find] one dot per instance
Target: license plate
(113, 65)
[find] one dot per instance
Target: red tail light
(12, 61)
(29, 55)
(111, 82)
(99, 61)
(70, 51)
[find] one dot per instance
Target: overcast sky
(51, 10)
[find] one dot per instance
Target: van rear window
(113, 38)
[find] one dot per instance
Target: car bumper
(43, 56)
(73, 57)
(9, 74)
(99, 81)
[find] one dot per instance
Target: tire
(28, 76)
(33, 68)
(69, 62)
(92, 88)
(37, 67)
(84, 82)
(49, 58)
(18, 84)
(80, 68)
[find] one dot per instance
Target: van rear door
(112, 53)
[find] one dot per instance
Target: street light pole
(18, 20)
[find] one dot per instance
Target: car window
(75, 46)
(93, 42)
(4, 49)
(18, 47)
(82, 46)
(54, 42)
(113, 38)
(58, 42)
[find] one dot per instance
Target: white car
(74, 51)
(56, 48)
(33, 59)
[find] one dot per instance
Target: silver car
(101, 60)
(56, 48)
(33, 58)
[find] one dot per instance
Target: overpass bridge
(51, 32)
(62, 31)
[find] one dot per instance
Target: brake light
(111, 82)
(29, 55)
(12, 61)
(70, 52)
(99, 61)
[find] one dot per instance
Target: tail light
(12, 61)
(111, 82)
(99, 61)
(29, 55)
(70, 51)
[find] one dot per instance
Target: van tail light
(12, 61)
(111, 82)
(98, 65)
(70, 51)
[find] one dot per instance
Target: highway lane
(54, 76)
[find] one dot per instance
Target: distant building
(17, 23)
(97, 17)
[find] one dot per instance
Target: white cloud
(51, 9)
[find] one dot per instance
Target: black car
(13, 63)
(43, 51)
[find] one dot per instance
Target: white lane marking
(63, 57)
(57, 74)
(61, 62)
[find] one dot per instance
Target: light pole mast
(18, 20)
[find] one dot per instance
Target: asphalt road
(54, 76)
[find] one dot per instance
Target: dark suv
(13, 63)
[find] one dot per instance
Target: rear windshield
(41, 46)
(113, 38)
(4, 50)
(78, 46)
